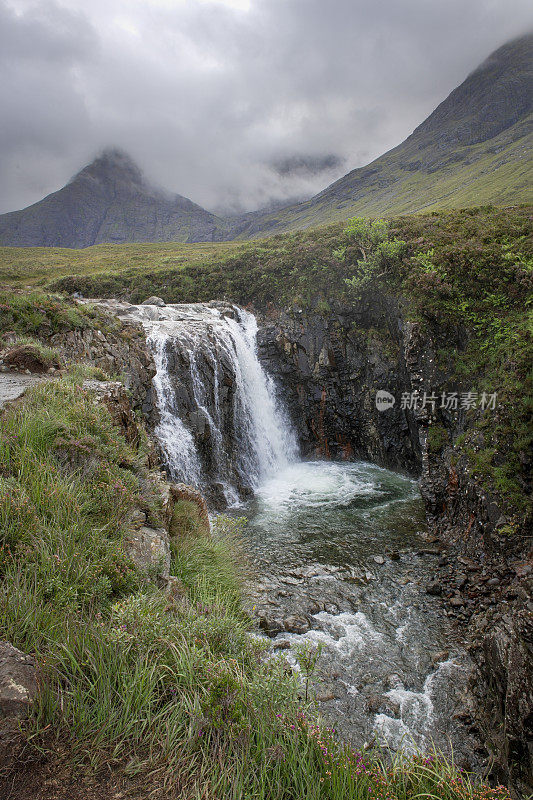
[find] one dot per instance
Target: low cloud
(236, 104)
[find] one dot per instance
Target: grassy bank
(172, 689)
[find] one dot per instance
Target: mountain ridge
(109, 200)
(473, 149)
(495, 114)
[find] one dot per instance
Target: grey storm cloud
(234, 103)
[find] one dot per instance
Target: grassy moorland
(37, 266)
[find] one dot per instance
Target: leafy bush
(379, 253)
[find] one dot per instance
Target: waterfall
(222, 425)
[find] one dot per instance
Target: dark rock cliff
(330, 366)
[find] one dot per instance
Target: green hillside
(475, 148)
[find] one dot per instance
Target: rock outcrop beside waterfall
(330, 367)
(118, 351)
(147, 546)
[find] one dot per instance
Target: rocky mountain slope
(109, 201)
(474, 149)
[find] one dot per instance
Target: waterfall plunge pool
(338, 548)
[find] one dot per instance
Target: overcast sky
(216, 98)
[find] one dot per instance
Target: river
(340, 547)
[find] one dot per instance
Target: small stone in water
(295, 624)
(440, 657)
(289, 580)
(379, 559)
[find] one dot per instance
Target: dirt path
(14, 384)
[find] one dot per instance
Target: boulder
(18, 681)
(149, 549)
(154, 301)
(28, 358)
(270, 625)
(296, 624)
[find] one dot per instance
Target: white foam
(416, 711)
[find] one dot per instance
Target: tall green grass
(175, 687)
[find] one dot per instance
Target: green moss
(437, 438)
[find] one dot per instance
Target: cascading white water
(267, 442)
(176, 440)
(221, 422)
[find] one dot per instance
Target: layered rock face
(123, 354)
(330, 366)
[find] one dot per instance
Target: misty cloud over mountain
(234, 104)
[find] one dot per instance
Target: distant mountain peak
(109, 200)
(111, 165)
